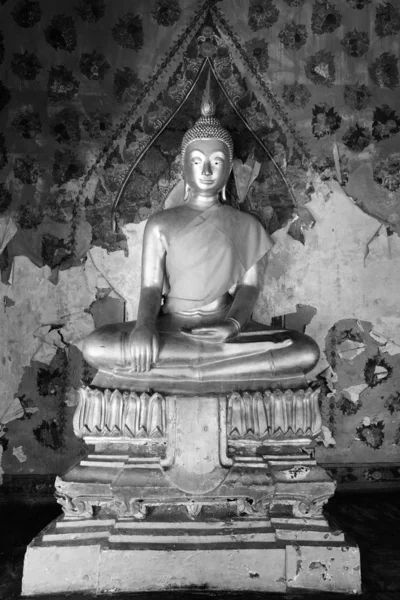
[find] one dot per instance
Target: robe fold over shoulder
(210, 255)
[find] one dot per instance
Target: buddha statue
(202, 268)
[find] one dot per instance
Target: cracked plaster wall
(347, 269)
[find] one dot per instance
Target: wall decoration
(54, 250)
(61, 34)
(377, 370)
(127, 85)
(387, 20)
(62, 85)
(64, 126)
(325, 17)
(128, 32)
(325, 120)
(326, 168)
(94, 65)
(386, 123)
(293, 36)
(66, 166)
(357, 96)
(97, 124)
(320, 68)
(26, 66)
(166, 12)
(90, 10)
(371, 434)
(27, 13)
(98, 215)
(362, 476)
(393, 403)
(52, 381)
(387, 172)
(27, 169)
(348, 406)
(384, 70)
(29, 216)
(295, 3)
(357, 137)
(262, 13)
(59, 206)
(356, 43)
(257, 51)
(27, 123)
(296, 95)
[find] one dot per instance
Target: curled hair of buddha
(208, 126)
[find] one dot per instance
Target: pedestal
(207, 492)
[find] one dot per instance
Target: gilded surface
(201, 276)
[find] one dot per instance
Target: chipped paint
(326, 437)
(386, 345)
(349, 349)
(8, 229)
(328, 271)
(354, 391)
(19, 454)
(377, 249)
(13, 411)
(8, 302)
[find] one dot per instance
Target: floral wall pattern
(94, 99)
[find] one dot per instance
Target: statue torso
(207, 252)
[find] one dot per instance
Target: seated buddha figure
(202, 266)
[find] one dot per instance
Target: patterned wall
(95, 97)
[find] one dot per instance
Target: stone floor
(372, 519)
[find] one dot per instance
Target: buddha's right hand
(143, 347)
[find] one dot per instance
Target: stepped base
(207, 492)
(105, 555)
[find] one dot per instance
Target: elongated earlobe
(223, 193)
(187, 190)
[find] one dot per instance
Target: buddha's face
(206, 166)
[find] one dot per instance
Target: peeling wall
(317, 84)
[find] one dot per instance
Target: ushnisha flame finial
(207, 103)
(207, 127)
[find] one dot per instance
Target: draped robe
(204, 261)
(210, 255)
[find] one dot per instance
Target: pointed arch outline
(205, 62)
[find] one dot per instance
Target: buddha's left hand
(219, 333)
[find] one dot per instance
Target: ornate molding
(78, 505)
(110, 414)
(194, 509)
(275, 415)
(310, 507)
(73, 507)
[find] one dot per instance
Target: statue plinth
(184, 492)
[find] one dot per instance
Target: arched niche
(156, 173)
(142, 160)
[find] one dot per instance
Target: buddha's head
(207, 153)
